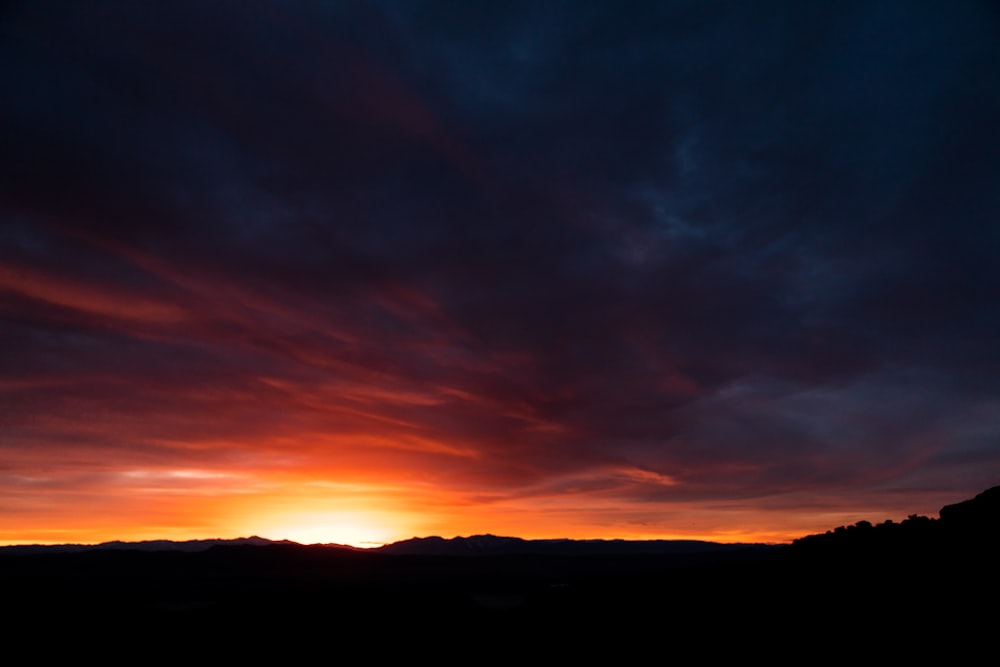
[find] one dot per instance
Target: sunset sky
(360, 271)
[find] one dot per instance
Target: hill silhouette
(965, 531)
(901, 589)
(492, 545)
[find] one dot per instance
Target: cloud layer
(629, 263)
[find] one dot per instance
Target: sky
(355, 272)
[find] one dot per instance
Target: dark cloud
(744, 248)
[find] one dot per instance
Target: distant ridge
(143, 545)
(493, 545)
(474, 545)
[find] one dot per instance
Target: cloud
(514, 247)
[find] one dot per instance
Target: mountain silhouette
(143, 545)
(482, 545)
(893, 590)
(981, 514)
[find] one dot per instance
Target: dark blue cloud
(629, 224)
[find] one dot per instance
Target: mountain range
(893, 590)
(474, 545)
(980, 512)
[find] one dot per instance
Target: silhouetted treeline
(968, 532)
(912, 531)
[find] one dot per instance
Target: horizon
(370, 545)
(365, 545)
(352, 272)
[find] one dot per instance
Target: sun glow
(365, 529)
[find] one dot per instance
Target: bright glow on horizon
(365, 511)
(365, 529)
(364, 514)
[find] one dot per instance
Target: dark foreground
(915, 589)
